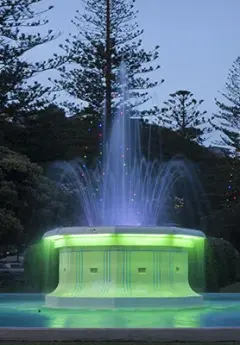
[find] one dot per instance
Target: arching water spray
(125, 188)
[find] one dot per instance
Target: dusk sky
(198, 39)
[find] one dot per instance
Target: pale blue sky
(198, 39)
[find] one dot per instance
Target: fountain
(125, 275)
(122, 259)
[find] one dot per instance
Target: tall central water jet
(126, 188)
(121, 259)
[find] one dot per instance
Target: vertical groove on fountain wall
(156, 269)
(107, 271)
(78, 271)
(127, 270)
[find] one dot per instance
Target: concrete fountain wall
(123, 267)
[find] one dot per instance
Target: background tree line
(35, 130)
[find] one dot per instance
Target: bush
(221, 259)
(41, 266)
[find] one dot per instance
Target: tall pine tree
(181, 113)
(19, 95)
(107, 35)
(227, 120)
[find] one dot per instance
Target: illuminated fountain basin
(124, 267)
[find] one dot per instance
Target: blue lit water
(26, 310)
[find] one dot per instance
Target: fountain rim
(134, 230)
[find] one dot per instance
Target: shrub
(41, 267)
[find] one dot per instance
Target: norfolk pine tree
(181, 114)
(18, 95)
(107, 35)
(227, 120)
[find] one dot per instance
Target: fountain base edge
(123, 303)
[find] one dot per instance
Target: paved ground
(116, 334)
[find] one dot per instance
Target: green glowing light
(87, 240)
(92, 275)
(112, 270)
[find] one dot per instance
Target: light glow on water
(21, 312)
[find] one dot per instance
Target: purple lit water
(125, 188)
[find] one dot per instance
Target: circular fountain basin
(123, 267)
